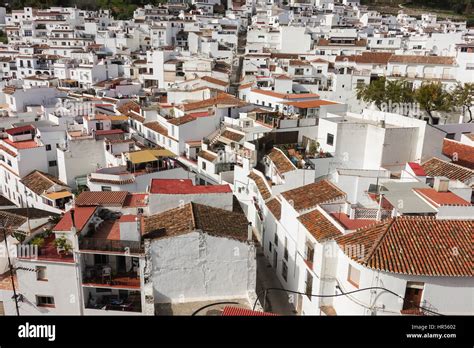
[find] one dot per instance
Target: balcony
(104, 275)
(100, 244)
(123, 301)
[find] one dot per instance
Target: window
(309, 285)
(9, 163)
(309, 252)
(330, 139)
(41, 273)
(52, 163)
(106, 188)
(2, 158)
(353, 276)
(203, 165)
(284, 270)
(285, 253)
(275, 240)
(270, 246)
(45, 301)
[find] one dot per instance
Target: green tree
(374, 92)
(433, 97)
(463, 97)
(382, 92)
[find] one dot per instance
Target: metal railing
(132, 247)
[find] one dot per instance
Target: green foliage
(382, 92)
(463, 97)
(63, 244)
(433, 97)
(38, 241)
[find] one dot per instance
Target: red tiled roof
(19, 130)
(274, 206)
(417, 169)
(311, 103)
(308, 196)
(436, 167)
(109, 132)
(261, 185)
(81, 217)
(285, 96)
(352, 224)
(243, 312)
(459, 153)
(441, 198)
(319, 226)
(22, 145)
(281, 162)
(94, 198)
(414, 246)
(134, 200)
(184, 186)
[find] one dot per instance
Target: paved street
(277, 301)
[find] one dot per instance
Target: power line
(343, 294)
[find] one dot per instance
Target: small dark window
(330, 139)
(45, 301)
(48, 147)
(52, 163)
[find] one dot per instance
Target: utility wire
(343, 294)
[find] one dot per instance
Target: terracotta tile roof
(274, 206)
(94, 198)
(184, 186)
(157, 127)
(311, 103)
(319, 226)
(463, 152)
(7, 150)
(136, 117)
(436, 167)
(261, 185)
(413, 59)
(193, 216)
(281, 162)
(178, 121)
(246, 85)
(215, 81)
(414, 246)
(207, 156)
(308, 196)
(221, 99)
(81, 216)
(367, 58)
(440, 198)
(21, 145)
(20, 130)
(232, 135)
(38, 182)
(134, 200)
(285, 96)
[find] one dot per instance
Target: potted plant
(38, 242)
(63, 246)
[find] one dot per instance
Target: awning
(57, 195)
(148, 155)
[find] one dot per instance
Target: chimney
(249, 232)
(441, 184)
